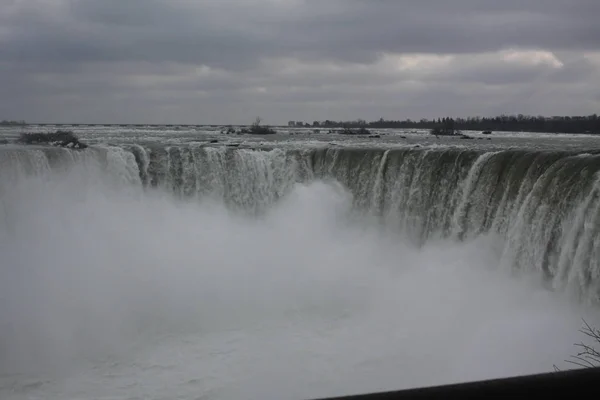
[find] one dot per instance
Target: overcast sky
(227, 61)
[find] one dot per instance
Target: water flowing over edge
(542, 207)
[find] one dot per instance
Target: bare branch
(587, 356)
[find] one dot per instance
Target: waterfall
(544, 206)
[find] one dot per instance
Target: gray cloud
(227, 60)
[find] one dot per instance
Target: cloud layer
(225, 61)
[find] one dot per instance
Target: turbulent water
(147, 268)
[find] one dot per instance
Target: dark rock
(214, 141)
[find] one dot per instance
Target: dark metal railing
(562, 383)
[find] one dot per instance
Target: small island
(59, 138)
(447, 128)
(13, 123)
(360, 131)
(255, 129)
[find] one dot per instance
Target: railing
(571, 383)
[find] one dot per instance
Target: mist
(302, 301)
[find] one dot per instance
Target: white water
(108, 292)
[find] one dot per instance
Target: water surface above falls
(306, 137)
(156, 264)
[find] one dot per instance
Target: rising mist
(301, 301)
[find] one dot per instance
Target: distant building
(292, 123)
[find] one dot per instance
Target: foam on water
(110, 291)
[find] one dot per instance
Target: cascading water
(344, 259)
(246, 179)
(544, 204)
(541, 203)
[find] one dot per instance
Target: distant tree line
(448, 125)
(515, 123)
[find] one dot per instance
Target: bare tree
(587, 356)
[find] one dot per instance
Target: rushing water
(160, 265)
